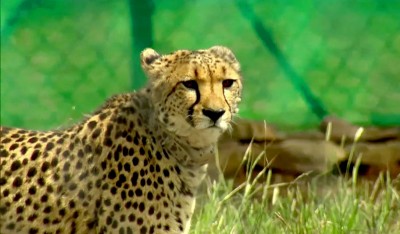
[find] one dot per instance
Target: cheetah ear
(226, 54)
(147, 60)
(148, 56)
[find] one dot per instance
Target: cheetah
(132, 166)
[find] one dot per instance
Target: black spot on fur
(15, 165)
(3, 181)
(31, 172)
(3, 210)
(143, 230)
(96, 133)
(17, 182)
(92, 124)
(3, 153)
(35, 155)
(33, 231)
(49, 146)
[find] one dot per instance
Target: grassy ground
(322, 205)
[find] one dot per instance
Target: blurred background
(301, 60)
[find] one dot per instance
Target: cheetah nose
(214, 115)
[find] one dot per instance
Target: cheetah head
(195, 93)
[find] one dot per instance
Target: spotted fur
(135, 164)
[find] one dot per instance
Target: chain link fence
(301, 60)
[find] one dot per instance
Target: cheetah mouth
(212, 126)
(215, 126)
(220, 125)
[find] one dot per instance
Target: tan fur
(135, 164)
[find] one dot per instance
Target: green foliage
(66, 57)
(60, 61)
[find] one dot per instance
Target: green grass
(326, 204)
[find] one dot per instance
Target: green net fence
(301, 60)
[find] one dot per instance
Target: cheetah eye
(190, 84)
(227, 83)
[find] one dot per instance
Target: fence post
(142, 37)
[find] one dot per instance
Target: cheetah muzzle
(135, 164)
